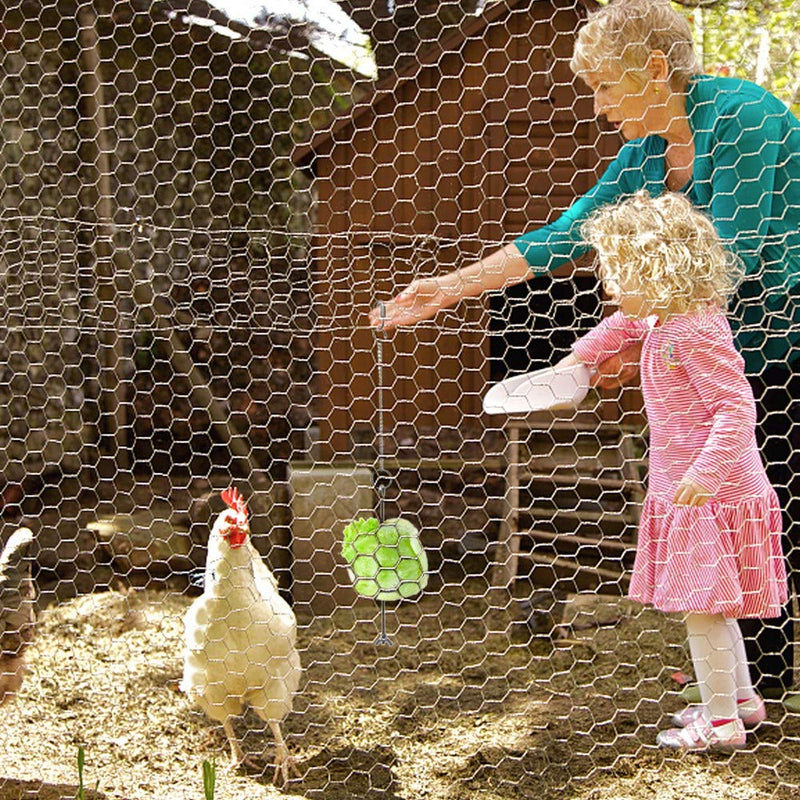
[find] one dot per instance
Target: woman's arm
(422, 298)
(548, 247)
(536, 252)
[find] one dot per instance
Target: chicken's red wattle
(236, 536)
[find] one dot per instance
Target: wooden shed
(487, 136)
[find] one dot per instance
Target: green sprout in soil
(209, 778)
(81, 761)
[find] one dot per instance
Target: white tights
(720, 663)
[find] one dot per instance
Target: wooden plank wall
(491, 140)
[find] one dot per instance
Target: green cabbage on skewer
(385, 561)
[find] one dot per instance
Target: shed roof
(304, 155)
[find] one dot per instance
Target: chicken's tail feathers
(233, 499)
(17, 547)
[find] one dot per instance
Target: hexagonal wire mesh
(201, 204)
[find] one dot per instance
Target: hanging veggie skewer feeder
(385, 560)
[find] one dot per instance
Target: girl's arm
(716, 370)
(620, 369)
(611, 336)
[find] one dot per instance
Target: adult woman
(734, 150)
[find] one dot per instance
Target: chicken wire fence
(201, 203)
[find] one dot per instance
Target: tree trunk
(111, 265)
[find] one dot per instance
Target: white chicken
(240, 645)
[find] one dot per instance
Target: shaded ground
(464, 706)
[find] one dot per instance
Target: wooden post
(112, 266)
(507, 558)
(203, 396)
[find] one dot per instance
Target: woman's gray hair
(624, 33)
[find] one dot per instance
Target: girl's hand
(619, 370)
(690, 493)
(420, 300)
(568, 361)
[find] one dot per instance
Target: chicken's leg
(237, 754)
(283, 760)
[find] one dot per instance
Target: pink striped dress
(724, 557)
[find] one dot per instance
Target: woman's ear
(657, 67)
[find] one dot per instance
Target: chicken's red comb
(233, 499)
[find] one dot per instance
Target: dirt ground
(464, 705)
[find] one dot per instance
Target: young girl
(709, 539)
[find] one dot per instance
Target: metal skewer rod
(382, 639)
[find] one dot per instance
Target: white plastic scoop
(541, 390)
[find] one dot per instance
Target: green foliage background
(758, 40)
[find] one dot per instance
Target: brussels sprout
(387, 556)
(388, 534)
(385, 561)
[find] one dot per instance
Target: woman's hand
(690, 493)
(420, 300)
(619, 370)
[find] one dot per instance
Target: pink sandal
(701, 736)
(752, 713)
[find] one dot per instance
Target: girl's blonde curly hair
(622, 35)
(665, 249)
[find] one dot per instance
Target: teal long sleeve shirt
(746, 177)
